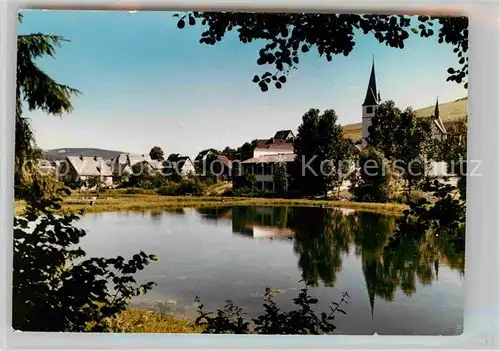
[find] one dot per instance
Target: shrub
(190, 186)
(54, 287)
(185, 187)
(139, 191)
(300, 321)
(170, 189)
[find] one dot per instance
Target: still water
(234, 253)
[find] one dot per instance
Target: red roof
(224, 160)
(274, 144)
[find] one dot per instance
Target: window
(369, 109)
(268, 169)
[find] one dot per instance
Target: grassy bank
(134, 320)
(116, 201)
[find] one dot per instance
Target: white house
(262, 166)
(74, 168)
(268, 153)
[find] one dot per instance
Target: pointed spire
(437, 118)
(436, 109)
(371, 91)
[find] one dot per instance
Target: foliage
(184, 187)
(139, 191)
(156, 153)
(403, 139)
(246, 180)
(55, 288)
(370, 183)
(93, 182)
(43, 193)
(281, 178)
(321, 153)
(288, 36)
(145, 178)
(383, 131)
(300, 321)
(74, 183)
(37, 90)
(453, 150)
(412, 139)
(445, 217)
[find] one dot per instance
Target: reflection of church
(372, 100)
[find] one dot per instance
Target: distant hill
(59, 154)
(449, 112)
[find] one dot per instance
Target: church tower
(372, 99)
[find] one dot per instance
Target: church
(372, 100)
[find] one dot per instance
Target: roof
(224, 160)
(282, 134)
(176, 160)
(158, 165)
(274, 158)
(122, 158)
(274, 144)
(90, 166)
(437, 119)
(372, 96)
(135, 159)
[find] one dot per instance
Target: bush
(54, 287)
(139, 191)
(185, 187)
(190, 187)
(413, 197)
(301, 321)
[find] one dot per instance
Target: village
(91, 173)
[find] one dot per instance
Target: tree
(453, 150)
(382, 133)
(55, 287)
(321, 153)
(203, 161)
(281, 180)
(403, 139)
(37, 90)
(411, 140)
(370, 183)
(156, 153)
(288, 36)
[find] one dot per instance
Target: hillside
(450, 112)
(59, 154)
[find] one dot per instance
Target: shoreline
(115, 202)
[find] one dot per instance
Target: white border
(481, 319)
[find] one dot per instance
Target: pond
(234, 253)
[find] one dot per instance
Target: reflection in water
(323, 236)
(332, 250)
(179, 211)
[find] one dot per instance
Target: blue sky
(145, 83)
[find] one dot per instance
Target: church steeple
(372, 94)
(436, 109)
